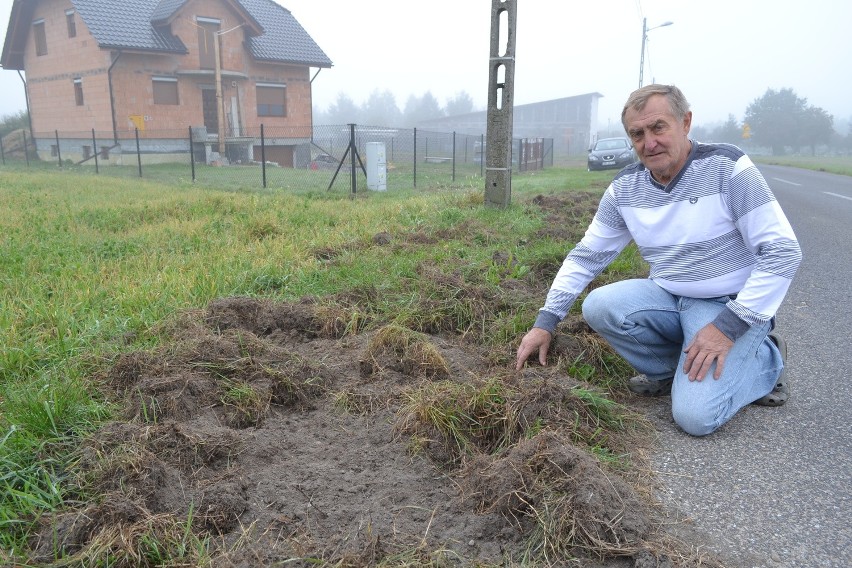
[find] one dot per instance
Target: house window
(40, 37)
(78, 91)
(207, 28)
(271, 100)
(165, 91)
(72, 24)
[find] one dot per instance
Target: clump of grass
(573, 504)
(408, 351)
(246, 404)
(360, 404)
(123, 534)
(457, 419)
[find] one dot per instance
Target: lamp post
(645, 30)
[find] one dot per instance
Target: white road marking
(790, 182)
(838, 195)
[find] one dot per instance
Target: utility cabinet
(377, 166)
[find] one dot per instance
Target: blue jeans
(650, 328)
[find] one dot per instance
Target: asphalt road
(773, 487)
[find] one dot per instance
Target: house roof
(140, 25)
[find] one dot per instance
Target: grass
(841, 165)
(93, 265)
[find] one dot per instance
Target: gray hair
(639, 98)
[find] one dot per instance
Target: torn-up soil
(289, 436)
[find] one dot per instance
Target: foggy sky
(723, 54)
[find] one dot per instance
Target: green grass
(832, 164)
(92, 265)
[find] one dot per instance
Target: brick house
(149, 67)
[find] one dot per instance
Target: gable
(141, 25)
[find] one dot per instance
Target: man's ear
(687, 122)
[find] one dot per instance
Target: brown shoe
(642, 385)
(781, 392)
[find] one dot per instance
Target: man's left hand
(708, 345)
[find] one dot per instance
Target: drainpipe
(29, 114)
(112, 98)
(311, 83)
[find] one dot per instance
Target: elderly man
(722, 256)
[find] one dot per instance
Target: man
(722, 256)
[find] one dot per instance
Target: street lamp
(645, 30)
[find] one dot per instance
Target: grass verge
(92, 267)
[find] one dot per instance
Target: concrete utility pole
(220, 101)
(645, 30)
(501, 88)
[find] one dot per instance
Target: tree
(16, 121)
(343, 110)
(730, 132)
(422, 108)
(817, 128)
(699, 133)
(381, 110)
(780, 118)
(462, 103)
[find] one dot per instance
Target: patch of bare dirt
(288, 434)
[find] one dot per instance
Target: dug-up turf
(270, 434)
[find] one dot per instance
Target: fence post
(263, 154)
(191, 154)
(58, 149)
(26, 148)
(454, 155)
(139, 154)
(2, 152)
(353, 179)
(95, 150)
(415, 158)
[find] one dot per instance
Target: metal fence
(320, 158)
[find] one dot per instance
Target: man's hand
(536, 339)
(708, 345)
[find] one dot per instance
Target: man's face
(660, 139)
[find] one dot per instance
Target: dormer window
(78, 91)
(207, 29)
(40, 37)
(71, 23)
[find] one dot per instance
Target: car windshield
(610, 144)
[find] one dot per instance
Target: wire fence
(327, 158)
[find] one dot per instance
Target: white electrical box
(377, 166)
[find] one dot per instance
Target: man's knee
(597, 309)
(695, 420)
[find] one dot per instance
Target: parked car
(611, 154)
(323, 162)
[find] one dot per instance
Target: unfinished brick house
(150, 67)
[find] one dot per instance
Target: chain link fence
(322, 158)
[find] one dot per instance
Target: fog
(723, 54)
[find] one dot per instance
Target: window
(72, 24)
(78, 91)
(207, 28)
(40, 37)
(271, 100)
(165, 91)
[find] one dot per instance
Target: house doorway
(208, 107)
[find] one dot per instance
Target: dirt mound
(295, 432)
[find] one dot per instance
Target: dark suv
(611, 153)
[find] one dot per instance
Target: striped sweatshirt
(714, 230)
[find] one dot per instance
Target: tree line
(782, 121)
(381, 109)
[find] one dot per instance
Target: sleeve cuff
(547, 321)
(730, 324)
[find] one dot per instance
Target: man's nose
(650, 141)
